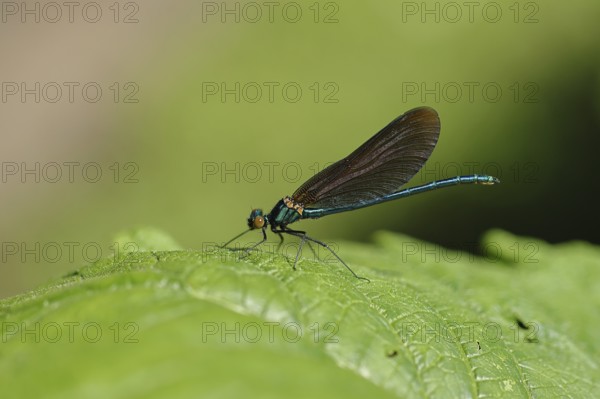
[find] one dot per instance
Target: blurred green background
(164, 132)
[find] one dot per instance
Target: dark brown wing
(379, 167)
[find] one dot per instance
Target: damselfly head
(256, 219)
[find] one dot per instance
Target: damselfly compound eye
(258, 222)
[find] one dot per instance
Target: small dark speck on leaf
(392, 353)
(521, 324)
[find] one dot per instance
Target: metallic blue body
(313, 213)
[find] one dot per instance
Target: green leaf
(432, 323)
